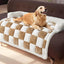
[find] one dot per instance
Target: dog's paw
(36, 27)
(39, 28)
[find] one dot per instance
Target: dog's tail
(19, 19)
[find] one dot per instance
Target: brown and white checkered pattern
(25, 36)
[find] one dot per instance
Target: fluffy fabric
(28, 39)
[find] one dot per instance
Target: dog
(36, 19)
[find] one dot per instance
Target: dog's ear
(36, 13)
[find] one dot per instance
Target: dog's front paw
(39, 28)
(36, 27)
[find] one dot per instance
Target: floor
(3, 9)
(11, 55)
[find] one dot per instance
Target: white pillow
(15, 14)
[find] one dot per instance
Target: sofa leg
(52, 61)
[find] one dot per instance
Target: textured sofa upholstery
(56, 46)
(3, 15)
(56, 10)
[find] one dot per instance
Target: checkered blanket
(25, 37)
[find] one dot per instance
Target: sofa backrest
(56, 10)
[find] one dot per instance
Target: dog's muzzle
(46, 10)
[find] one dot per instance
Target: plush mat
(26, 38)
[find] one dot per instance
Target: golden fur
(36, 19)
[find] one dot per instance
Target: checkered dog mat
(25, 37)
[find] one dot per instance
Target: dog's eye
(40, 7)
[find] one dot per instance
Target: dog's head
(41, 10)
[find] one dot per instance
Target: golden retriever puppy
(37, 19)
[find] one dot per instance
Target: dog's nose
(45, 10)
(41, 12)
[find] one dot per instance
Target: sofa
(3, 2)
(56, 46)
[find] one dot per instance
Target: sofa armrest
(4, 15)
(56, 46)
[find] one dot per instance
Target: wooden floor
(11, 55)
